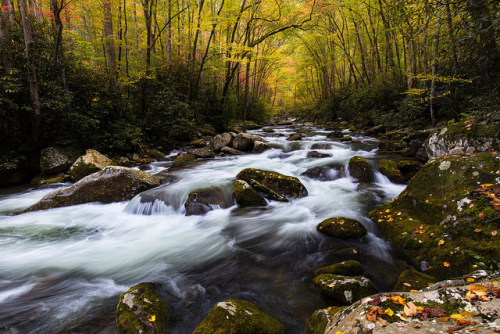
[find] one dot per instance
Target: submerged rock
(87, 164)
(344, 289)
(112, 184)
(460, 138)
(411, 279)
(446, 220)
(283, 185)
(246, 196)
(321, 146)
(54, 160)
(324, 173)
(346, 268)
(238, 316)
(202, 201)
(335, 135)
(360, 169)
(316, 154)
(141, 310)
(341, 227)
(183, 159)
(221, 140)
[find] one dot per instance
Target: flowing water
(62, 270)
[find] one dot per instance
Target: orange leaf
(446, 264)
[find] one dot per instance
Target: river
(62, 270)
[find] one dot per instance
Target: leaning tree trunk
(434, 71)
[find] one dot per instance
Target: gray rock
(231, 151)
(202, 152)
(87, 164)
(202, 201)
(54, 160)
(260, 146)
(245, 141)
(219, 141)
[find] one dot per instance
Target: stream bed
(62, 270)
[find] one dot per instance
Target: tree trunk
(31, 71)
(434, 71)
(56, 8)
(5, 24)
(109, 42)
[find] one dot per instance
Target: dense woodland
(117, 75)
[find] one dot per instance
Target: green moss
(413, 280)
(294, 137)
(246, 196)
(360, 169)
(82, 169)
(284, 185)
(390, 169)
(140, 310)
(198, 143)
(182, 159)
(347, 268)
(317, 322)
(238, 317)
(344, 289)
(341, 227)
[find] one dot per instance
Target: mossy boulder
(392, 145)
(246, 196)
(341, 227)
(112, 184)
(360, 169)
(345, 139)
(390, 169)
(245, 141)
(411, 279)
(197, 143)
(154, 154)
(344, 289)
(39, 180)
(87, 164)
(317, 322)
(260, 146)
(283, 185)
(141, 310)
(294, 137)
(335, 134)
(345, 268)
(201, 152)
(183, 159)
(202, 201)
(54, 160)
(321, 146)
(462, 138)
(446, 220)
(235, 316)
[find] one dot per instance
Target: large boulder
(345, 268)
(390, 169)
(245, 142)
(283, 185)
(183, 159)
(235, 316)
(246, 196)
(360, 169)
(202, 201)
(460, 138)
(54, 160)
(87, 164)
(112, 184)
(231, 151)
(201, 152)
(411, 279)
(446, 220)
(260, 146)
(341, 227)
(221, 140)
(141, 310)
(448, 307)
(317, 322)
(344, 289)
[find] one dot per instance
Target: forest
(119, 75)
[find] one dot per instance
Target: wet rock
(238, 316)
(436, 310)
(335, 134)
(321, 146)
(409, 168)
(231, 151)
(284, 185)
(376, 130)
(341, 227)
(245, 142)
(266, 192)
(345, 139)
(392, 145)
(390, 169)
(198, 143)
(411, 279)
(221, 140)
(360, 169)
(39, 180)
(154, 154)
(317, 322)
(345, 268)
(460, 138)
(87, 164)
(323, 173)
(317, 155)
(268, 130)
(344, 289)
(112, 184)
(201, 152)
(260, 146)
(141, 310)
(246, 196)
(183, 159)
(446, 220)
(54, 160)
(202, 201)
(294, 137)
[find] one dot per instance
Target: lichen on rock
(344, 289)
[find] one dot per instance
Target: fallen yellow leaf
(398, 299)
(152, 318)
(470, 280)
(440, 242)
(456, 316)
(446, 264)
(389, 312)
(477, 230)
(466, 314)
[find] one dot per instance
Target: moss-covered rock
(341, 227)
(260, 146)
(141, 310)
(284, 185)
(360, 169)
(462, 138)
(409, 168)
(183, 159)
(293, 137)
(446, 217)
(345, 268)
(245, 141)
(390, 169)
(317, 322)
(221, 140)
(317, 155)
(413, 280)
(246, 196)
(112, 184)
(87, 164)
(344, 289)
(392, 145)
(197, 143)
(235, 316)
(39, 180)
(201, 152)
(345, 139)
(154, 154)
(202, 201)
(335, 135)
